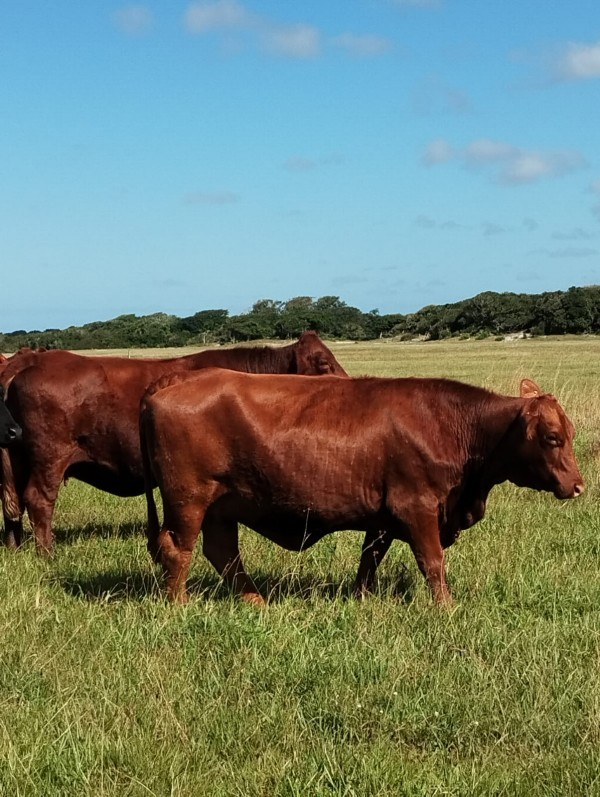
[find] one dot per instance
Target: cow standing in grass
(295, 459)
(80, 419)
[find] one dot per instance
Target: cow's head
(544, 459)
(10, 431)
(313, 358)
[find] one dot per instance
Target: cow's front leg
(427, 549)
(40, 499)
(220, 545)
(375, 547)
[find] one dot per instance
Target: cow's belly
(125, 484)
(293, 529)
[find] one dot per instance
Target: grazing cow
(10, 431)
(80, 419)
(295, 459)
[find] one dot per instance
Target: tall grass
(105, 689)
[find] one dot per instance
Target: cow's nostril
(577, 490)
(14, 433)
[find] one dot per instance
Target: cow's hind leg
(174, 546)
(375, 547)
(220, 545)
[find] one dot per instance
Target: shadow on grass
(120, 586)
(66, 535)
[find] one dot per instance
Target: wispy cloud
(417, 3)
(299, 40)
(576, 234)
(566, 252)
(491, 228)
(202, 17)
(435, 95)
(361, 46)
(488, 228)
(211, 198)
(506, 162)
(578, 61)
(427, 223)
(438, 151)
(299, 163)
(134, 20)
(294, 41)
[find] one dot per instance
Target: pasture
(105, 689)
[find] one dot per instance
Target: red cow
(80, 418)
(296, 459)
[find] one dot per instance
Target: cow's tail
(153, 529)
(12, 508)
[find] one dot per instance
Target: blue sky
(180, 156)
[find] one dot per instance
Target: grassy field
(105, 689)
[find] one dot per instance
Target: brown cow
(295, 459)
(80, 418)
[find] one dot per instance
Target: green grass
(105, 689)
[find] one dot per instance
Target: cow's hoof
(253, 598)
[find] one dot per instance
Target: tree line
(575, 311)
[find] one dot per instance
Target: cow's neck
(489, 453)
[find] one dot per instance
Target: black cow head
(10, 431)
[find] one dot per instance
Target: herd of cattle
(250, 435)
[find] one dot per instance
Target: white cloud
(299, 163)
(296, 41)
(508, 163)
(580, 61)
(576, 234)
(491, 228)
(427, 223)
(566, 252)
(485, 149)
(134, 20)
(434, 95)
(438, 151)
(362, 46)
(201, 17)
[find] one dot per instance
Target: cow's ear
(320, 363)
(529, 389)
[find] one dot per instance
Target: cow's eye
(553, 439)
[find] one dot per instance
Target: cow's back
(331, 445)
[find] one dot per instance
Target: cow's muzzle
(14, 433)
(574, 491)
